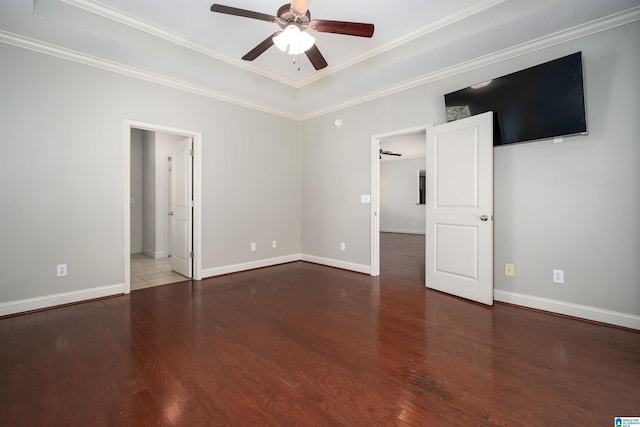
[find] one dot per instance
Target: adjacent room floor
(147, 272)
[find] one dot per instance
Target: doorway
(161, 247)
(393, 142)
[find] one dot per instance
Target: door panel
(459, 243)
(457, 250)
(181, 208)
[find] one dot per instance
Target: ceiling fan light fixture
(293, 41)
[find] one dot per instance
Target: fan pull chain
(295, 60)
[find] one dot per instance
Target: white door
(181, 212)
(459, 240)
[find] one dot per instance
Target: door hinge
(191, 152)
(191, 254)
(191, 204)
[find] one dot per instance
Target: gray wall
(136, 191)
(573, 206)
(399, 212)
(62, 173)
(149, 196)
(154, 169)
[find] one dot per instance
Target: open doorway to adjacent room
(162, 204)
(398, 209)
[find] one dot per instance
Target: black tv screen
(540, 102)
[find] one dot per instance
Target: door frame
(197, 194)
(375, 188)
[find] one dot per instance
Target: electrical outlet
(253, 246)
(61, 270)
(509, 270)
(274, 244)
(343, 247)
(558, 276)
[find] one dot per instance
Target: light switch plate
(365, 198)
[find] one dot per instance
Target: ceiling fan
(388, 153)
(295, 19)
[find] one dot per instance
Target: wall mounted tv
(543, 101)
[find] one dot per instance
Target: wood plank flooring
(305, 345)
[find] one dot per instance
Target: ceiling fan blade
(242, 12)
(261, 48)
(389, 153)
(342, 27)
(300, 6)
(316, 58)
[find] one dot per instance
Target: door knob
(170, 214)
(484, 217)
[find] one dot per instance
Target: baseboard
(397, 230)
(154, 255)
(360, 268)
(29, 304)
(136, 250)
(569, 309)
(234, 268)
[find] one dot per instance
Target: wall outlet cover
(61, 270)
(558, 276)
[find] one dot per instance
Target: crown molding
(421, 31)
(162, 33)
(123, 18)
(82, 58)
(579, 31)
(564, 36)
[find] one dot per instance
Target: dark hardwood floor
(301, 344)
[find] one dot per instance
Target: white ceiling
(183, 44)
(411, 146)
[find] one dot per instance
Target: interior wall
(149, 202)
(63, 184)
(570, 206)
(136, 191)
(399, 211)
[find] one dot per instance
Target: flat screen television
(543, 101)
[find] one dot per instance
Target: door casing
(375, 189)
(197, 194)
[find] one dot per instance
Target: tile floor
(147, 272)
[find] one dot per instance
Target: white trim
(124, 18)
(569, 309)
(358, 268)
(374, 212)
(137, 73)
(583, 30)
(197, 194)
(235, 268)
(175, 38)
(540, 43)
(154, 255)
(412, 35)
(375, 188)
(48, 301)
(401, 231)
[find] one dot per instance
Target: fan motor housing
(288, 17)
